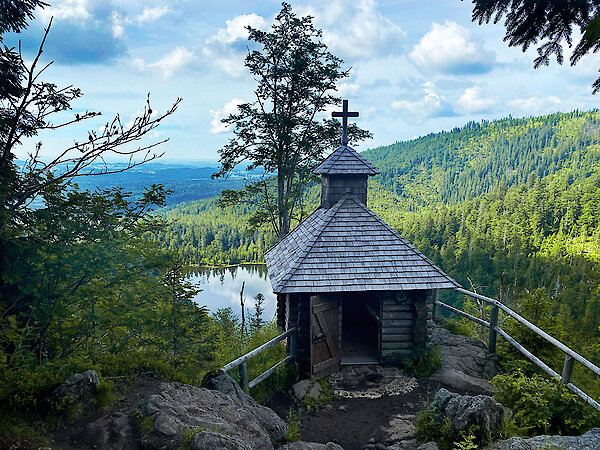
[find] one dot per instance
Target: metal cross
(344, 114)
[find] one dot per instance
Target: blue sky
(416, 66)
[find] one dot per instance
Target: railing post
(294, 344)
(493, 332)
(567, 370)
(243, 369)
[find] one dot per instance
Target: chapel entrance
(360, 329)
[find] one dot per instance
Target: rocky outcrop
(224, 418)
(301, 445)
(466, 363)
(588, 441)
(79, 388)
(478, 414)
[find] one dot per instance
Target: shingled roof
(345, 161)
(348, 248)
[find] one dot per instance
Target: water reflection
(221, 288)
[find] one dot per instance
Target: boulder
(226, 416)
(480, 413)
(466, 363)
(79, 388)
(301, 445)
(587, 441)
(303, 388)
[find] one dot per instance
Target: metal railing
(240, 362)
(570, 355)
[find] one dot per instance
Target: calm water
(221, 288)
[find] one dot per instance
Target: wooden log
(398, 330)
(397, 316)
(389, 354)
(407, 323)
(398, 338)
(397, 308)
(397, 346)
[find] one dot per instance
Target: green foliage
(425, 363)
(543, 406)
(105, 394)
(466, 443)
(431, 427)
(144, 424)
(311, 404)
(293, 421)
(296, 80)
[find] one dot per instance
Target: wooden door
(324, 335)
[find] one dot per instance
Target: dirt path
(377, 408)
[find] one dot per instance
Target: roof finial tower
(344, 114)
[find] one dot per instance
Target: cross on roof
(344, 114)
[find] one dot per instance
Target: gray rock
(206, 440)
(466, 363)
(300, 389)
(316, 391)
(301, 445)
(465, 411)
(588, 441)
(78, 388)
(230, 416)
(428, 446)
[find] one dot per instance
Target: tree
(74, 257)
(549, 22)
(256, 320)
(280, 132)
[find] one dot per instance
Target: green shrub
(543, 406)
(105, 394)
(431, 427)
(293, 427)
(425, 363)
(326, 398)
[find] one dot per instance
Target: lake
(221, 288)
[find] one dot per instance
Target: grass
(293, 427)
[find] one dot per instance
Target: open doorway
(360, 329)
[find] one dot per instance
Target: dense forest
(518, 197)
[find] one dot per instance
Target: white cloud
(236, 28)
(118, 29)
(75, 10)
(450, 48)
(231, 107)
(346, 90)
(535, 105)
(430, 105)
(472, 100)
(174, 61)
(220, 50)
(151, 14)
(356, 30)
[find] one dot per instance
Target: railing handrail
(573, 354)
(241, 361)
(495, 329)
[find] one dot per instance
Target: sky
(416, 66)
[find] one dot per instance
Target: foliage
(105, 394)
(425, 363)
(431, 427)
(543, 406)
(279, 132)
(293, 422)
(311, 404)
(466, 443)
(548, 21)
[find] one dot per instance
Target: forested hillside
(517, 196)
(461, 164)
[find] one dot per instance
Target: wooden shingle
(349, 248)
(345, 161)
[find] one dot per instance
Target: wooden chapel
(357, 291)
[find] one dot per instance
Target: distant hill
(454, 166)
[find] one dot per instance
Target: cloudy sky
(416, 66)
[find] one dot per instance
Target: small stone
(300, 389)
(315, 392)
